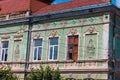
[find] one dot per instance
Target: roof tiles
(42, 6)
(13, 6)
(69, 5)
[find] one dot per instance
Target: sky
(115, 2)
(60, 1)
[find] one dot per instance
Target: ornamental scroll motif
(91, 30)
(37, 35)
(72, 32)
(5, 37)
(54, 34)
(18, 35)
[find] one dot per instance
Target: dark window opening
(72, 53)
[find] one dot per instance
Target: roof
(13, 6)
(69, 5)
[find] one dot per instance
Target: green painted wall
(81, 25)
(11, 31)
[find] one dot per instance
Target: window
(53, 48)
(72, 53)
(37, 49)
(4, 51)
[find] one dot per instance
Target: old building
(81, 37)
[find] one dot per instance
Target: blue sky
(116, 2)
(60, 1)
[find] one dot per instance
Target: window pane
(39, 53)
(51, 52)
(55, 52)
(5, 44)
(6, 51)
(5, 57)
(54, 41)
(35, 53)
(70, 40)
(2, 54)
(76, 39)
(38, 42)
(69, 56)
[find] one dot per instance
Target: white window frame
(53, 47)
(37, 47)
(4, 49)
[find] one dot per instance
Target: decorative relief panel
(90, 49)
(17, 52)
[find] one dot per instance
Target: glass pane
(76, 39)
(6, 54)
(70, 48)
(51, 52)
(70, 40)
(69, 56)
(54, 41)
(35, 53)
(70, 51)
(38, 42)
(2, 54)
(5, 44)
(39, 53)
(55, 52)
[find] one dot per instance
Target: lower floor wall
(72, 76)
(86, 76)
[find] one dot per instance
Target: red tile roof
(12, 6)
(69, 5)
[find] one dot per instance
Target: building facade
(81, 38)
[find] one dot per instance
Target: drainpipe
(113, 54)
(28, 45)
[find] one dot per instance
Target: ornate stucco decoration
(18, 35)
(54, 34)
(5, 37)
(73, 32)
(37, 35)
(91, 30)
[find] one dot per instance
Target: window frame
(53, 48)
(34, 47)
(73, 44)
(2, 57)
